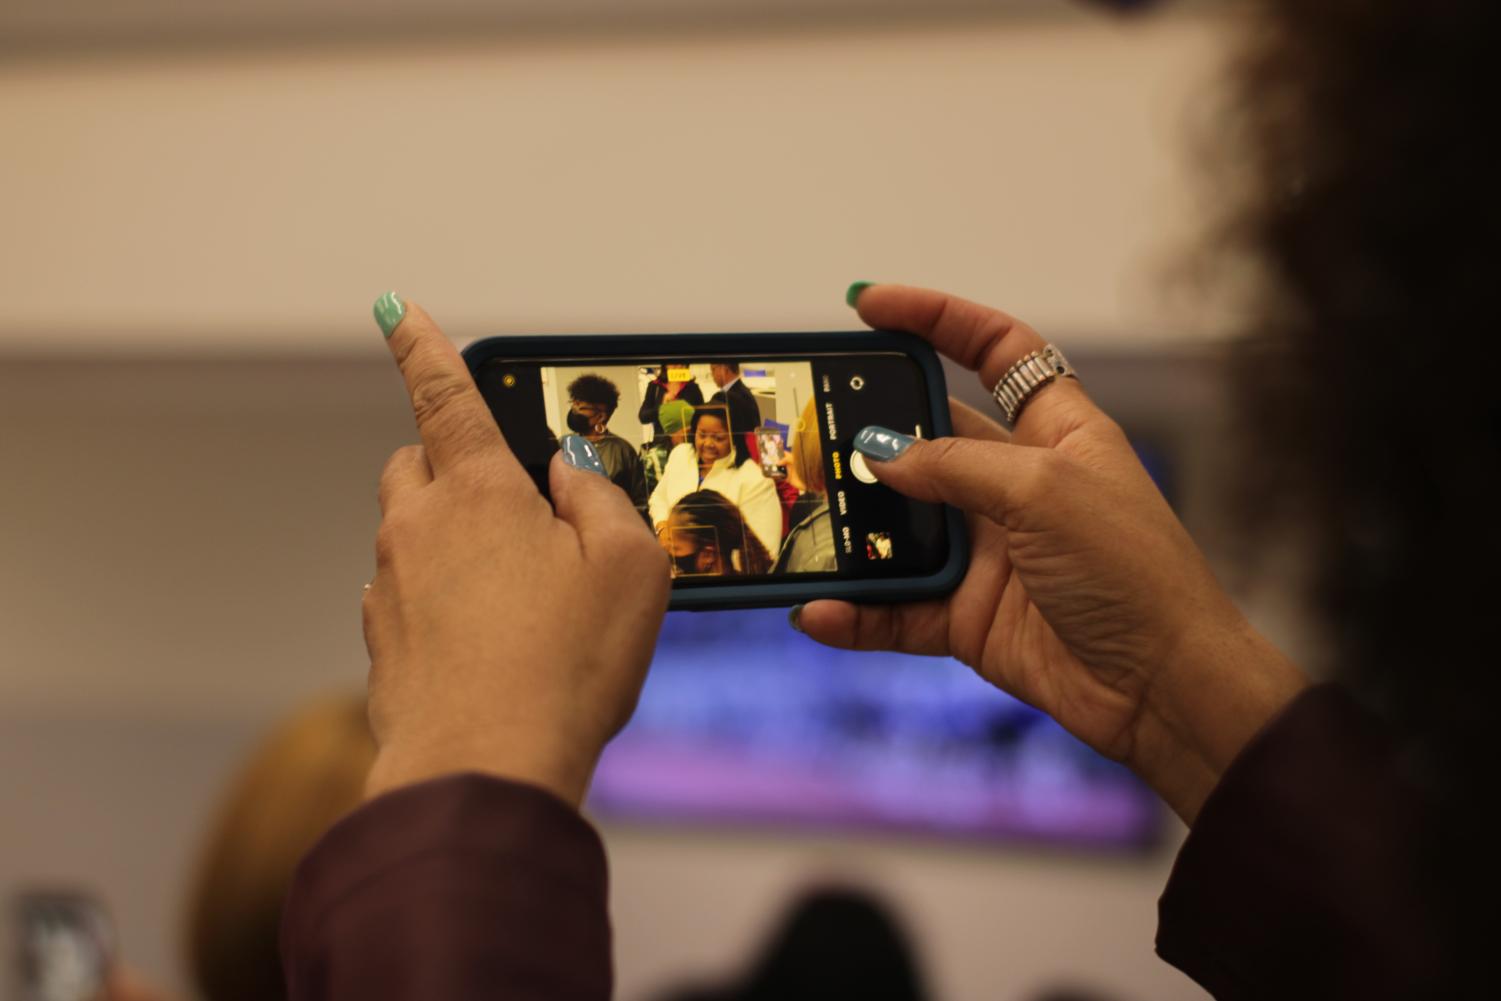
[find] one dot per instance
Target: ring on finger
(1030, 373)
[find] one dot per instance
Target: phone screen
(743, 467)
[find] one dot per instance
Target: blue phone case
(767, 592)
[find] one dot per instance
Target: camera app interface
(742, 467)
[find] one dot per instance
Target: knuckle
(437, 395)
(472, 474)
(1044, 476)
(636, 548)
(398, 460)
(391, 539)
(404, 347)
(943, 451)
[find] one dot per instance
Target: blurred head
(592, 400)
(307, 774)
(1362, 129)
(709, 427)
(1374, 227)
(807, 450)
(706, 535)
(832, 942)
(724, 372)
(675, 416)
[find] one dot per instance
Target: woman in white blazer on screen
(714, 458)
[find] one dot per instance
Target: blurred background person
(705, 534)
(809, 546)
(709, 460)
(304, 776)
(672, 420)
(831, 942)
(663, 389)
(592, 400)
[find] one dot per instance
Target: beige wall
(182, 540)
(264, 199)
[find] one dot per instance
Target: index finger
(978, 337)
(452, 417)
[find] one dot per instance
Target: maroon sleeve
(1301, 876)
(462, 887)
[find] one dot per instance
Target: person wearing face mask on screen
(592, 400)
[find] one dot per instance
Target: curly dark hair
(595, 389)
(1369, 418)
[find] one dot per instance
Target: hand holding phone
(1086, 597)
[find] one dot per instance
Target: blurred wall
(262, 198)
(187, 517)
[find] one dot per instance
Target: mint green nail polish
(882, 444)
(795, 617)
(852, 294)
(389, 311)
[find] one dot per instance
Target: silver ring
(1030, 373)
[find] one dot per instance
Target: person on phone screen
(672, 418)
(592, 400)
(665, 389)
(705, 535)
(710, 460)
(745, 415)
(809, 547)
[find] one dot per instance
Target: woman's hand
(506, 635)
(1085, 597)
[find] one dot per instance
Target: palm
(996, 628)
(1010, 635)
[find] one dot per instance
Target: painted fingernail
(852, 294)
(389, 311)
(882, 444)
(795, 617)
(580, 454)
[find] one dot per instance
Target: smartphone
(688, 426)
(772, 449)
(64, 946)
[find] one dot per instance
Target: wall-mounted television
(745, 721)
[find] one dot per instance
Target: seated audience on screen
(809, 547)
(706, 535)
(592, 400)
(710, 460)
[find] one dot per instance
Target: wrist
(1208, 699)
(564, 772)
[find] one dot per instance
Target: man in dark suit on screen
(745, 416)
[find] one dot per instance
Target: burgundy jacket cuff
(1301, 876)
(462, 887)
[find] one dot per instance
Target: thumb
(585, 497)
(995, 479)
